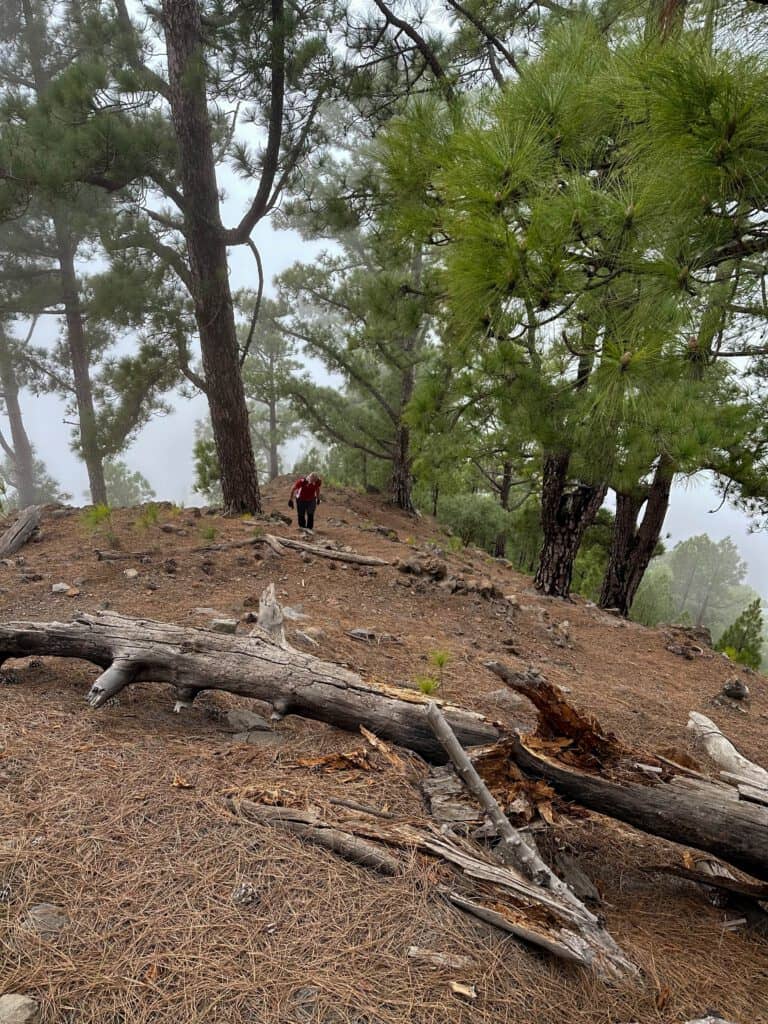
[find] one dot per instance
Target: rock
(241, 721)
(736, 688)
(294, 614)
(47, 919)
(224, 625)
(256, 738)
(60, 588)
(435, 568)
(170, 566)
(409, 566)
(130, 574)
(507, 698)
(18, 1009)
(31, 577)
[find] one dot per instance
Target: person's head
(313, 478)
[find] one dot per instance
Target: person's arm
(319, 485)
(290, 496)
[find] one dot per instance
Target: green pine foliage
(742, 641)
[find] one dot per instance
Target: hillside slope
(116, 816)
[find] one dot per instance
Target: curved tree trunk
(632, 545)
(81, 364)
(208, 257)
(565, 516)
(21, 454)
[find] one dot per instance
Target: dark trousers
(306, 511)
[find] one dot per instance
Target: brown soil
(96, 816)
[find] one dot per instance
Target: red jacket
(305, 491)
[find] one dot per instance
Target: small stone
(170, 566)
(18, 1009)
(256, 738)
(224, 625)
(242, 721)
(47, 918)
(130, 574)
(409, 566)
(60, 588)
(736, 688)
(245, 894)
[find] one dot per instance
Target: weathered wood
(724, 754)
(120, 556)
(309, 827)
(519, 906)
(16, 536)
(271, 617)
(706, 818)
(522, 853)
(450, 961)
(336, 556)
(193, 659)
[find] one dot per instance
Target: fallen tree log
(141, 650)
(16, 536)
(598, 772)
(314, 549)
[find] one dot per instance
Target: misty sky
(163, 452)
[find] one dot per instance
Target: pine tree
(742, 641)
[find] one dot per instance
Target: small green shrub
(149, 517)
(98, 520)
(428, 684)
(208, 532)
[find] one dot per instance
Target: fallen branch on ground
(332, 553)
(499, 895)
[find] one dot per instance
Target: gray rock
(736, 688)
(60, 588)
(47, 918)
(259, 739)
(239, 720)
(18, 1009)
(507, 698)
(224, 625)
(130, 574)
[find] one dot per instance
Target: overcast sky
(163, 452)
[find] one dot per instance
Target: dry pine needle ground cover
(117, 817)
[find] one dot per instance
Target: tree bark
(17, 535)
(23, 457)
(505, 487)
(140, 650)
(401, 484)
(209, 268)
(565, 516)
(79, 356)
(632, 546)
(706, 816)
(274, 455)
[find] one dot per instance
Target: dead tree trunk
(140, 650)
(20, 450)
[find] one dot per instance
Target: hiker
(307, 493)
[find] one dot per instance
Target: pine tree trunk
(23, 457)
(632, 546)
(208, 256)
(565, 516)
(274, 457)
(80, 359)
(500, 544)
(401, 487)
